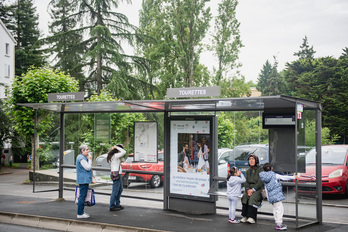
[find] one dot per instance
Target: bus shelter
(189, 122)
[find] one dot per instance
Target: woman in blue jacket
(84, 176)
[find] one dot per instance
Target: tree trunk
(37, 157)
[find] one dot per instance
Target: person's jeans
(117, 189)
(82, 197)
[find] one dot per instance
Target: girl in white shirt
(114, 159)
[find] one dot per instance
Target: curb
(5, 173)
(65, 224)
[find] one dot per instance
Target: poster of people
(190, 157)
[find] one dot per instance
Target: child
(235, 178)
(274, 192)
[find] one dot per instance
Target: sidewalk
(42, 210)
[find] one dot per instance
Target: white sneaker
(251, 220)
(85, 215)
(244, 219)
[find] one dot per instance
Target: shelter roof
(176, 105)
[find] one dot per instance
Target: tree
(5, 13)
(306, 52)
(226, 40)
(175, 31)
(225, 131)
(65, 41)
(24, 26)
(122, 127)
(33, 87)
(326, 138)
(234, 87)
(270, 82)
(7, 134)
(109, 65)
(325, 80)
(344, 53)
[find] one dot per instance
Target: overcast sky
(270, 28)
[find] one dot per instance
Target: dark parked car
(240, 154)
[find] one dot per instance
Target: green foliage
(326, 139)
(226, 40)
(344, 53)
(270, 82)
(225, 131)
(122, 127)
(65, 42)
(5, 127)
(234, 87)
(175, 31)
(46, 155)
(306, 52)
(23, 22)
(257, 135)
(324, 80)
(105, 56)
(237, 128)
(33, 87)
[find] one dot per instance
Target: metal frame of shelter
(279, 103)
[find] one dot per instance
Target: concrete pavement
(18, 205)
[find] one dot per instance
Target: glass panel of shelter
(307, 188)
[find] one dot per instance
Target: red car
(334, 170)
(154, 180)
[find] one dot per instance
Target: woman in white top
(114, 159)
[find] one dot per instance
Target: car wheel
(346, 192)
(155, 181)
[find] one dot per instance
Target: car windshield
(129, 159)
(329, 155)
(242, 153)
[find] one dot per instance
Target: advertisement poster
(190, 157)
(145, 141)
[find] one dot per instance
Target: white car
(223, 156)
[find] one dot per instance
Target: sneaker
(115, 209)
(251, 220)
(281, 227)
(235, 221)
(120, 207)
(244, 219)
(85, 215)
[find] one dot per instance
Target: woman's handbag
(115, 175)
(90, 198)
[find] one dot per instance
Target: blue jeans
(82, 197)
(117, 189)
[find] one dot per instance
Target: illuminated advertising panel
(190, 159)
